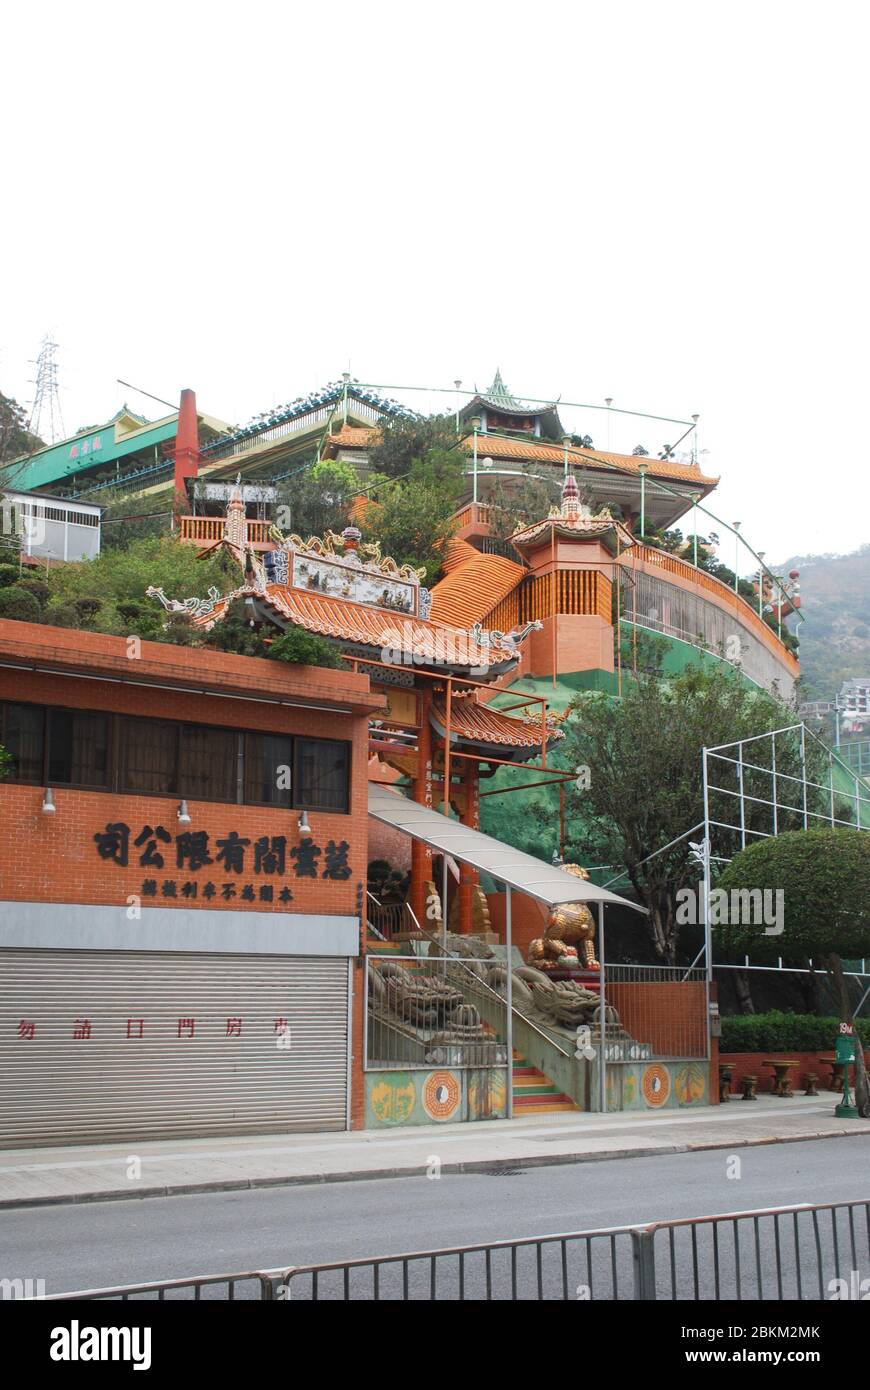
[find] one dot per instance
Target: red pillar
(421, 856)
(468, 878)
(186, 445)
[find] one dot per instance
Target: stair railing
(483, 985)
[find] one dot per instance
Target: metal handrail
(460, 960)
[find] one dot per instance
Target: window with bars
(153, 757)
(269, 769)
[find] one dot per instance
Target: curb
(488, 1166)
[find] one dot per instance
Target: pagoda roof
(499, 398)
(331, 395)
(498, 446)
(478, 724)
(612, 533)
(436, 645)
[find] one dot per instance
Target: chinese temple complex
(285, 897)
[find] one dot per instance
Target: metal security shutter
(230, 1077)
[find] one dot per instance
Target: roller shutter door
(145, 1045)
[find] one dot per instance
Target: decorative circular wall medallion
(690, 1083)
(392, 1098)
(441, 1095)
(656, 1085)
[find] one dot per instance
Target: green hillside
(835, 601)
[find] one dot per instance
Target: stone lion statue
(570, 934)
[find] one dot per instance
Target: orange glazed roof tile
(479, 723)
(457, 553)
(473, 589)
(429, 643)
(360, 508)
(495, 446)
(353, 437)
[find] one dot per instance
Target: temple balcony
(207, 530)
(660, 592)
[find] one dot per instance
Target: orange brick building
(179, 927)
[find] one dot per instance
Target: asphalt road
(119, 1242)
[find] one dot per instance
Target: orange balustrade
(205, 530)
(653, 560)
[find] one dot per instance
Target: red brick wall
(750, 1064)
(55, 859)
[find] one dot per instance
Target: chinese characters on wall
(190, 852)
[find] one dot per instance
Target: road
(107, 1243)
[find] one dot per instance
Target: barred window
(207, 763)
(149, 756)
(321, 775)
(78, 748)
(268, 760)
(24, 741)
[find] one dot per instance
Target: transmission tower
(45, 412)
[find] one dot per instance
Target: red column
(468, 878)
(421, 856)
(186, 445)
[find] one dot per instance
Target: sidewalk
(99, 1172)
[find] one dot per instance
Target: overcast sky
(662, 203)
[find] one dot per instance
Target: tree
(108, 594)
(824, 877)
(15, 437)
(414, 517)
(644, 756)
(406, 438)
(527, 500)
(320, 499)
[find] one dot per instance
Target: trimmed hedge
(19, 604)
(781, 1032)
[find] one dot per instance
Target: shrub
(63, 615)
(782, 1032)
(87, 608)
(8, 575)
(306, 648)
(19, 604)
(37, 587)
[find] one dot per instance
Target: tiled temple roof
(472, 588)
(428, 643)
(475, 722)
(496, 447)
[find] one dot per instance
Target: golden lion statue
(570, 926)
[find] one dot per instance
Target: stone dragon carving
(189, 607)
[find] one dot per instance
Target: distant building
(127, 445)
(49, 528)
(854, 699)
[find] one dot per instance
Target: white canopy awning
(522, 871)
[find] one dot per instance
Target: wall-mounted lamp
(183, 813)
(304, 824)
(48, 806)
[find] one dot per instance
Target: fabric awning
(522, 871)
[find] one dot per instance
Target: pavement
(103, 1172)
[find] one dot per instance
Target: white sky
(663, 203)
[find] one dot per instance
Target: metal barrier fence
(663, 1008)
(808, 1253)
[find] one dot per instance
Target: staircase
(535, 1093)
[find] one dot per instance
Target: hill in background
(835, 601)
